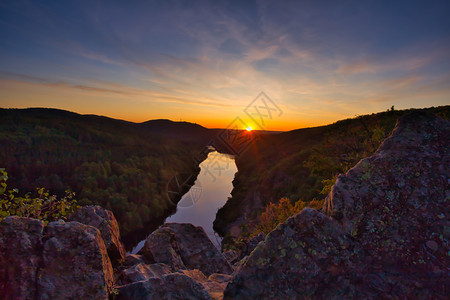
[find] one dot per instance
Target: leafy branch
(45, 207)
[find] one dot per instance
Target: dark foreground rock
(215, 284)
(251, 244)
(384, 233)
(142, 271)
(60, 261)
(172, 286)
(20, 257)
(184, 246)
(70, 261)
(157, 281)
(104, 221)
(75, 263)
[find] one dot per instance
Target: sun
(249, 128)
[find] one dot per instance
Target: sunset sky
(205, 61)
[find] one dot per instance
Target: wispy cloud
(108, 88)
(312, 57)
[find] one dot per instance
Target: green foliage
(273, 215)
(44, 207)
(327, 185)
(116, 164)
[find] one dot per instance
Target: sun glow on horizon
(249, 128)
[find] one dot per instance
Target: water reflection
(209, 193)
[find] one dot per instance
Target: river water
(209, 193)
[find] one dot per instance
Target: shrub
(275, 214)
(44, 207)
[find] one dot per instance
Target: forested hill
(120, 165)
(179, 130)
(301, 166)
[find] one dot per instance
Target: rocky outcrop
(178, 261)
(104, 221)
(20, 257)
(184, 246)
(70, 261)
(151, 281)
(61, 260)
(75, 263)
(384, 233)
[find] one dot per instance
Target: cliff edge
(382, 233)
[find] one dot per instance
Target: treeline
(119, 165)
(300, 165)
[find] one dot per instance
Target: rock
(20, 257)
(184, 246)
(288, 263)
(133, 259)
(171, 286)
(195, 274)
(215, 284)
(382, 233)
(251, 244)
(231, 256)
(75, 263)
(104, 221)
(141, 272)
(432, 245)
(162, 246)
(222, 278)
(61, 260)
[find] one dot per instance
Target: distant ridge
(184, 131)
(179, 130)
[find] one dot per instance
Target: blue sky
(204, 61)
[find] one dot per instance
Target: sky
(208, 61)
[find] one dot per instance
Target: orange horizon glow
(213, 74)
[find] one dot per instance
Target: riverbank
(210, 192)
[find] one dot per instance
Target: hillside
(120, 165)
(382, 233)
(183, 131)
(126, 166)
(300, 165)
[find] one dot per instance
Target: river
(209, 193)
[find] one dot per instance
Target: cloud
(108, 88)
(362, 66)
(307, 55)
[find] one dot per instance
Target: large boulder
(184, 246)
(61, 260)
(75, 263)
(20, 257)
(104, 221)
(172, 286)
(384, 233)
